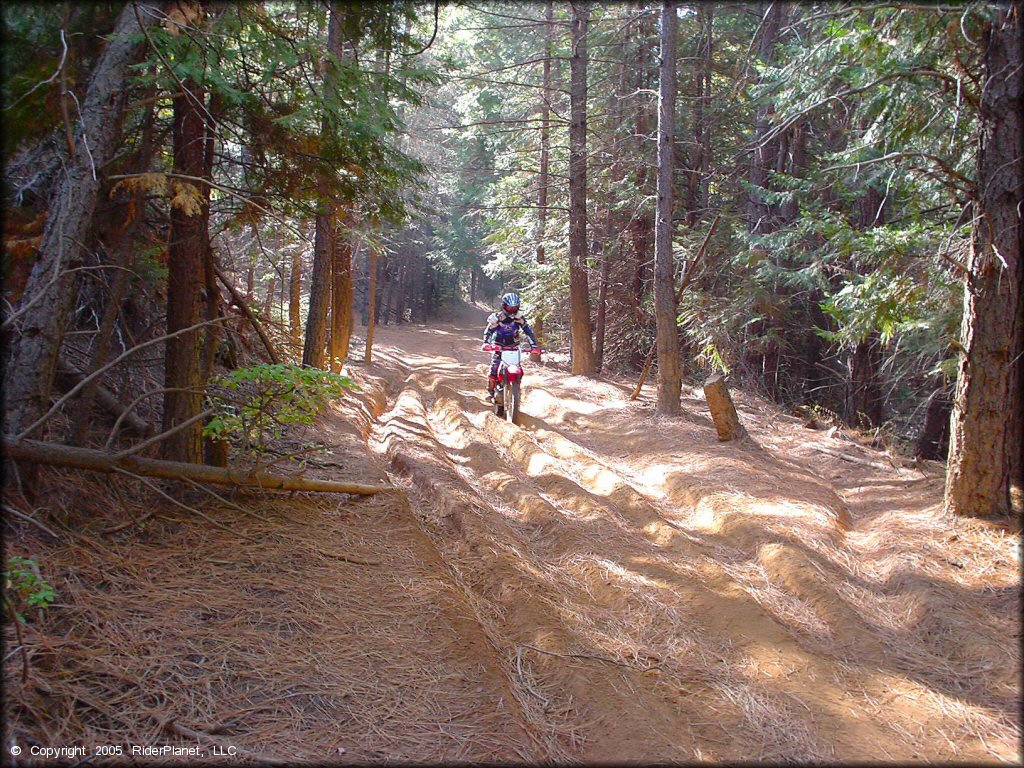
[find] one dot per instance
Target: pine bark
(213, 333)
(119, 282)
(579, 288)
(68, 378)
(31, 364)
(641, 225)
(187, 253)
(669, 381)
(933, 440)
(371, 309)
(315, 344)
(697, 188)
(315, 348)
(268, 301)
(295, 299)
(864, 402)
(342, 299)
(602, 306)
(723, 412)
(545, 132)
(987, 427)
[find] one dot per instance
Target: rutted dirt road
(600, 584)
(651, 594)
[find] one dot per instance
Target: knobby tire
(512, 408)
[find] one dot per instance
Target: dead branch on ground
(101, 461)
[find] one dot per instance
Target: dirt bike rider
(503, 328)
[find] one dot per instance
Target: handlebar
(499, 348)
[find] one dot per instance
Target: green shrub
(24, 588)
(257, 403)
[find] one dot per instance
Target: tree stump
(723, 412)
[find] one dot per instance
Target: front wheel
(512, 401)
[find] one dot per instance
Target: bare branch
(100, 371)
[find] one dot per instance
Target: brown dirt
(599, 584)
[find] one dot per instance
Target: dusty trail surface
(651, 594)
(600, 584)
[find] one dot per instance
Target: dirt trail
(651, 594)
(600, 584)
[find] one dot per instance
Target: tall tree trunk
(579, 289)
(380, 295)
(864, 401)
(211, 290)
(543, 176)
(669, 381)
(31, 364)
(933, 440)
(105, 333)
(341, 303)
(789, 211)
(697, 188)
(295, 298)
(390, 277)
(760, 215)
(314, 350)
(315, 344)
(268, 302)
(187, 254)
(602, 305)
(282, 304)
(119, 281)
(371, 310)
(342, 292)
(987, 428)
(640, 228)
(401, 286)
(758, 211)
(545, 132)
(864, 394)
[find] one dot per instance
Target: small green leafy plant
(710, 357)
(24, 588)
(257, 403)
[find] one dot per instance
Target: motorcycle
(508, 391)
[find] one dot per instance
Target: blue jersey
(503, 328)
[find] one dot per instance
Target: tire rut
(514, 572)
(554, 509)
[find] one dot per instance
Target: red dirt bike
(507, 392)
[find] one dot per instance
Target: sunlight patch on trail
(650, 588)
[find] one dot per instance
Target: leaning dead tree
(49, 296)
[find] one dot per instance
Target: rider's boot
(492, 382)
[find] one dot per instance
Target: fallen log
(723, 412)
(856, 459)
(102, 461)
